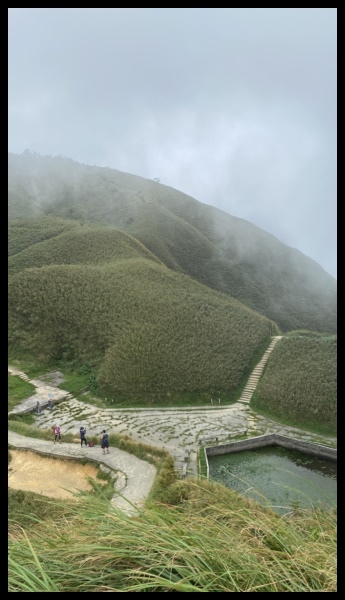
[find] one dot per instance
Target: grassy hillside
(71, 245)
(233, 256)
(145, 330)
(23, 233)
(106, 276)
(299, 385)
(223, 252)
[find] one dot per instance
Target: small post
(218, 400)
(211, 401)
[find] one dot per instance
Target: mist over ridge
(225, 253)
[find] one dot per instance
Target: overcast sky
(233, 106)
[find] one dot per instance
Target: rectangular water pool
(278, 477)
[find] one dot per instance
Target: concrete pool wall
(323, 452)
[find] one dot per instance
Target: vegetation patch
(18, 390)
(299, 385)
(32, 366)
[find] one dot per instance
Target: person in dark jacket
(105, 441)
(82, 436)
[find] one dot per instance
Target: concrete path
(133, 483)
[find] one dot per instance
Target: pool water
(278, 477)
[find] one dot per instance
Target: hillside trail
(133, 477)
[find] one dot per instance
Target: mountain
(223, 252)
(161, 297)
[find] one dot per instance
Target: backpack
(91, 444)
(105, 437)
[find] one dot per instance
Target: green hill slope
(23, 233)
(299, 385)
(146, 330)
(71, 245)
(223, 252)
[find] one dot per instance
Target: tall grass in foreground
(214, 541)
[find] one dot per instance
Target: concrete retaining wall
(272, 440)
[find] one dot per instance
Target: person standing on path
(82, 431)
(105, 441)
(57, 433)
(50, 401)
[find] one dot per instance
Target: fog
(235, 107)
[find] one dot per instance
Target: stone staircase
(18, 373)
(42, 393)
(257, 372)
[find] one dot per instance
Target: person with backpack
(57, 433)
(105, 441)
(82, 431)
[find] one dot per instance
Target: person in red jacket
(57, 433)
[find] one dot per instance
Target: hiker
(57, 433)
(38, 408)
(82, 431)
(105, 441)
(50, 404)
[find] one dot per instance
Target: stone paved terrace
(170, 428)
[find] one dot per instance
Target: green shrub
(299, 385)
